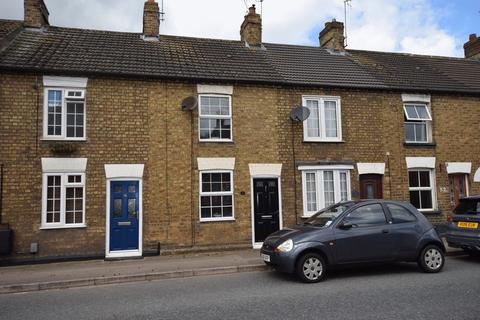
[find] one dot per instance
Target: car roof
(380, 201)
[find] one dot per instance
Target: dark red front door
(458, 188)
(371, 186)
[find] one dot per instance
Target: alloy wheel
(312, 268)
(433, 259)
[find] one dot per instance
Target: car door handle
(385, 231)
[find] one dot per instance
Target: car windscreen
(468, 206)
(325, 217)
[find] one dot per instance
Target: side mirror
(345, 225)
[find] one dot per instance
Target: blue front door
(124, 226)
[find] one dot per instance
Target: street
(398, 291)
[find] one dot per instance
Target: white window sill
(305, 216)
(76, 226)
(61, 139)
(324, 140)
(217, 220)
(216, 140)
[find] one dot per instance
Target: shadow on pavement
(357, 271)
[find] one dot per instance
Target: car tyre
(311, 268)
(432, 259)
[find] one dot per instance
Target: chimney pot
(35, 14)
(331, 37)
(151, 19)
(251, 29)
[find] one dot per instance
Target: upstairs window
(64, 114)
(418, 123)
(215, 118)
(324, 122)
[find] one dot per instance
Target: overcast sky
(437, 27)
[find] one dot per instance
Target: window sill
(324, 141)
(83, 226)
(431, 212)
(419, 144)
(62, 140)
(306, 217)
(217, 220)
(215, 142)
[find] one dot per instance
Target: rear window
(468, 207)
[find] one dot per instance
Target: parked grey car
(364, 231)
(463, 229)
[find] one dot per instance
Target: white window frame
(427, 121)
(229, 117)
(63, 185)
(219, 193)
(63, 135)
(432, 188)
(319, 184)
(321, 103)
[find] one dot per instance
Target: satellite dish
(190, 103)
(299, 114)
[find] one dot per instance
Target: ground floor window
(422, 190)
(63, 200)
(216, 195)
(322, 188)
(458, 187)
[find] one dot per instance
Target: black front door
(266, 208)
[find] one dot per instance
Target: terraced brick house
(99, 158)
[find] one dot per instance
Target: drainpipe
(1, 192)
(294, 173)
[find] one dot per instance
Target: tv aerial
(189, 103)
(299, 114)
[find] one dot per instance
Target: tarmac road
(398, 291)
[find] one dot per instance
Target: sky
(433, 27)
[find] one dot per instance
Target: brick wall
(140, 121)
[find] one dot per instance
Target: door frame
(124, 253)
(258, 245)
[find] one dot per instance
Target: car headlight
(286, 246)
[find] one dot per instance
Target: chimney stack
(472, 47)
(36, 14)
(151, 19)
(251, 29)
(332, 37)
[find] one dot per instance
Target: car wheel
(311, 268)
(431, 259)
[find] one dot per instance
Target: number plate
(468, 225)
(266, 257)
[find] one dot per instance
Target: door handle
(385, 231)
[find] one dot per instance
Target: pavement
(37, 277)
(392, 291)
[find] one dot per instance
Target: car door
(368, 238)
(405, 230)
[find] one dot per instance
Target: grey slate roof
(79, 51)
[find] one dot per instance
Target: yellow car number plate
(469, 225)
